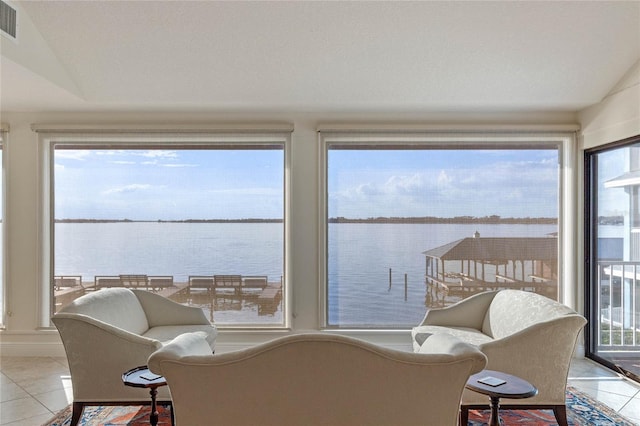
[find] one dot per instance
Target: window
(612, 176)
(201, 223)
(2, 228)
(414, 221)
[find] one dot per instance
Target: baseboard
(25, 349)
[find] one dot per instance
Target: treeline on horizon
(494, 219)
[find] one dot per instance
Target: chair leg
(464, 415)
(560, 411)
(76, 414)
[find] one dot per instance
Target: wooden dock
(267, 295)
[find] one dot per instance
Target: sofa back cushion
(118, 307)
(514, 310)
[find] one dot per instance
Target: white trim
(567, 259)
(275, 127)
(354, 127)
(4, 274)
(565, 141)
(121, 136)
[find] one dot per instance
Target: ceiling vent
(8, 20)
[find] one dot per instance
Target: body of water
(360, 257)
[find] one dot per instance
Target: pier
(222, 292)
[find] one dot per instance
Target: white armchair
(521, 333)
(110, 331)
(317, 379)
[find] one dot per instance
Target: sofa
(317, 379)
(109, 331)
(521, 333)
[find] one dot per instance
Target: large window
(612, 176)
(2, 227)
(414, 222)
(200, 223)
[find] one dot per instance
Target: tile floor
(33, 389)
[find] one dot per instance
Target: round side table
(141, 377)
(511, 387)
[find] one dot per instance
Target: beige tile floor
(33, 389)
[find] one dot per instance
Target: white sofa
(521, 333)
(110, 331)
(317, 379)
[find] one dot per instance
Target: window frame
(590, 243)
(564, 140)
(223, 135)
(4, 132)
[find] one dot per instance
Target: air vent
(8, 20)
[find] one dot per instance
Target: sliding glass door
(612, 177)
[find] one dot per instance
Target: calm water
(360, 256)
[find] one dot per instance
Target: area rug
(112, 416)
(582, 410)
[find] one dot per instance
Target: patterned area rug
(582, 410)
(113, 415)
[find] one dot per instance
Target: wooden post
(405, 287)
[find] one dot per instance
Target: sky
(444, 183)
(612, 201)
(239, 184)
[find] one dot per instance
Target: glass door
(612, 235)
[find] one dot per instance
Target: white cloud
(72, 154)
(126, 189)
(157, 153)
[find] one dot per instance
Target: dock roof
(497, 250)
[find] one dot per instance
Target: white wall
(22, 336)
(618, 115)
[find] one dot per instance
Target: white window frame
(223, 134)
(563, 138)
(4, 131)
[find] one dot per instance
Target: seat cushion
(167, 333)
(468, 335)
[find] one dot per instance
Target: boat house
(471, 265)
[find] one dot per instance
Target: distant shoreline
(491, 220)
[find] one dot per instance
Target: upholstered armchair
(317, 379)
(110, 331)
(521, 333)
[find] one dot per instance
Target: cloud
(521, 189)
(72, 154)
(178, 165)
(156, 153)
(127, 189)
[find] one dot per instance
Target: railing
(617, 296)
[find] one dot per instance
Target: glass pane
(203, 227)
(615, 278)
(415, 228)
(1, 236)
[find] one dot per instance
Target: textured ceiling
(318, 56)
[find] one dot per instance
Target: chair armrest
(162, 311)
(188, 344)
(450, 345)
(540, 354)
(469, 312)
(72, 323)
(98, 354)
